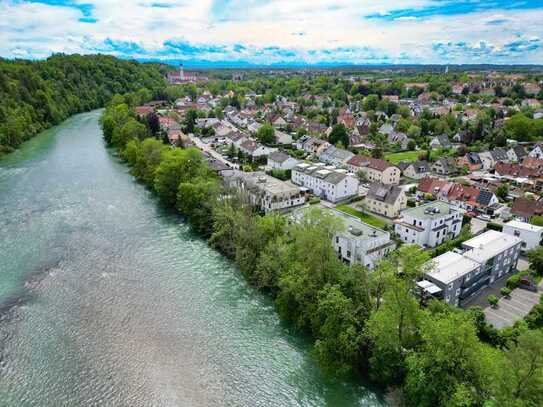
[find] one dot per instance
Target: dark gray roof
(278, 157)
(384, 193)
(520, 152)
(484, 197)
(499, 154)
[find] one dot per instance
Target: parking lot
(512, 309)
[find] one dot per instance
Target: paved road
(207, 149)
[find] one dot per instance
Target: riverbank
(359, 321)
(125, 305)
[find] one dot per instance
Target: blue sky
(276, 32)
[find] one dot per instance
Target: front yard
(395, 158)
(363, 216)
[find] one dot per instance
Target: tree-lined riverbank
(360, 321)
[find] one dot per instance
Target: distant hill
(36, 95)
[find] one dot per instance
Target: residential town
(452, 163)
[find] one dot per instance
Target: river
(106, 299)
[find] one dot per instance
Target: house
(278, 122)
(399, 138)
(268, 193)
(430, 224)
(375, 170)
(326, 182)
(525, 208)
(499, 154)
(143, 110)
(255, 150)
(386, 129)
(386, 200)
(282, 138)
(456, 276)
(531, 235)
(280, 160)
(470, 161)
(516, 154)
(416, 169)
(312, 145)
(445, 166)
(357, 242)
(537, 151)
(487, 160)
(441, 141)
(335, 156)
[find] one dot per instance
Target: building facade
(430, 224)
(326, 182)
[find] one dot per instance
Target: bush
(494, 226)
(505, 291)
(513, 281)
(314, 201)
(493, 300)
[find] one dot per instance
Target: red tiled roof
(527, 208)
(370, 162)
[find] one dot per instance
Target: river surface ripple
(109, 300)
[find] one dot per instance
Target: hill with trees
(36, 95)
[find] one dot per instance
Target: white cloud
(324, 30)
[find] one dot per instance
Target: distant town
(450, 161)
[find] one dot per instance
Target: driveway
(207, 149)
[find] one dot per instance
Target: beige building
(375, 170)
(386, 200)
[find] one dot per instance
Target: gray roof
(279, 157)
(431, 210)
(384, 193)
(499, 154)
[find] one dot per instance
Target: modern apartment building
(531, 235)
(269, 193)
(358, 242)
(326, 182)
(430, 224)
(456, 276)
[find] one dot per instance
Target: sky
(278, 32)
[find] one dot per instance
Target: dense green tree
(536, 259)
(339, 136)
(177, 166)
(449, 361)
(39, 94)
(266, 134)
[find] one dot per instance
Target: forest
(362, 322)
(36, 95)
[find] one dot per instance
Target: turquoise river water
(108, 300)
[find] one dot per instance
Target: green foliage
(339, 136)
(536, 259)
(266, 134)
(493, 300)
(39, 94)
(536, 220)
(522, 128)
(502, 191)
(450, 361)
(505, 291)
(513, 281)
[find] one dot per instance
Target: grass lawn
(395, 158)
(363, 216)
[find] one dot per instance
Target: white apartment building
(430, 224)
(326, 182)
(269, 193)
(358, 242)
(531, 235)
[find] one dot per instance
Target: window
(451, 286)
